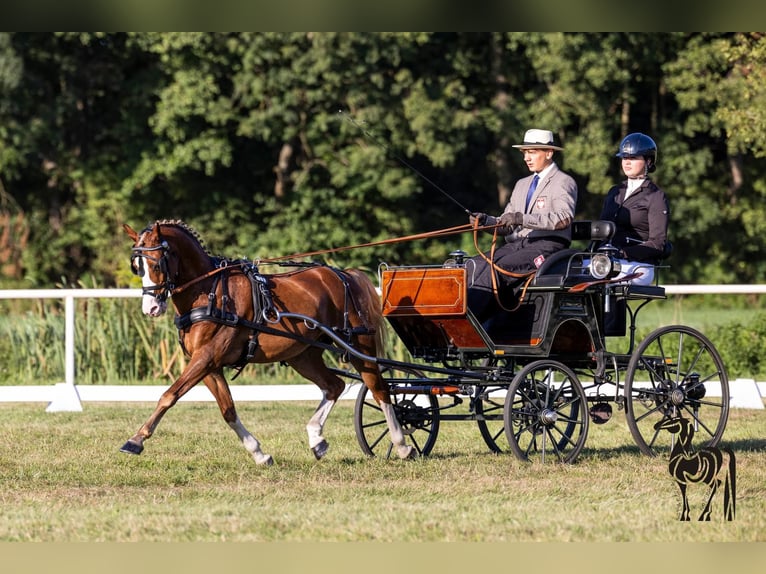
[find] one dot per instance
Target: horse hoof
(407, 453)
(132, 448)
(265, 460)
(320, 450)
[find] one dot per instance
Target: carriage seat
(568, 266)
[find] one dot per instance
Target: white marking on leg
(251, 443)
(397, 436)
(316, 423)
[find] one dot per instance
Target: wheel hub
(412, 416)
(677, 397)
(548, 417)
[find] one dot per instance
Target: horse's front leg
(684, 502)
(217, 384)
(190, 377)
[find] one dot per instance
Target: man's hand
(478, 216)
(511, 219)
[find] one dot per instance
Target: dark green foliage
(271, 144)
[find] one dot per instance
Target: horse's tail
(369, 306)
(730, 487)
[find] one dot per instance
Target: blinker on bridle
(162, 290)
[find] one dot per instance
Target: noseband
(163, 290)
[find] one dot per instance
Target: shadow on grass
(744, 445)
(607, 453)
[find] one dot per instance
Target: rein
(437, 233)
(202, 277)
(475, 227)
(528, 276)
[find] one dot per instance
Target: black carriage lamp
(458, 257)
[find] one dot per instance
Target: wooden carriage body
(563, 314)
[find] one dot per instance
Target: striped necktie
(531, 192)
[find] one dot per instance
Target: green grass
(63, 480)
(700, 312)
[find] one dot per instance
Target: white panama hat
(538, 139)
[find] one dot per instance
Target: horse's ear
(130, 231)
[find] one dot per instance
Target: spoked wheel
(676, 371)
(418, 414)
(546, 415)
(489, 405)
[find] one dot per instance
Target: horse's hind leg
(730, 487)
(370, 373)
(217, 384)
(311, 366)
(705, 516)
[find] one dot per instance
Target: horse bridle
(162, 290)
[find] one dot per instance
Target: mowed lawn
(64, 479)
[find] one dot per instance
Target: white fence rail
(68, 396)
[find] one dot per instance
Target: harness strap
(215, 314)
(262, 305)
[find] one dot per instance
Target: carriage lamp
(457, 257)
(602, 266)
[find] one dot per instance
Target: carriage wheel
(489, 412)
(546, 415)
(676, 371)
(418, 414)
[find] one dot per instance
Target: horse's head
(166, 254)
(676, 425)
(150, 260)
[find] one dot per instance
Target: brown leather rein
(428, 234)
(527, 277)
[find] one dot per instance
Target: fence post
(65, 395)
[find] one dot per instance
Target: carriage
(534, 379)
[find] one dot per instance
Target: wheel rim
(489, 407)
(676, 371)
(545, 412)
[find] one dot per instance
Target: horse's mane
(182, 225)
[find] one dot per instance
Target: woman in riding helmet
(640, 210)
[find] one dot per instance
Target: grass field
(64, 480)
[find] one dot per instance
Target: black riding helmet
(638, 144)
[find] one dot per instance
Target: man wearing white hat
(536, 223)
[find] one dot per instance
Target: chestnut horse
(228, 315)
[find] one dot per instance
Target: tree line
(270, 144)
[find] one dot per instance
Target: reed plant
(113, 344)
(117, 344)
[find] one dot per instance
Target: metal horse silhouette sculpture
(228, 315)
(712, 466)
